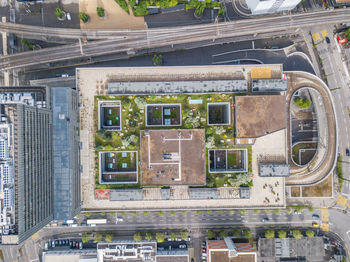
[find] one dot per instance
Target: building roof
(259, 115)
(175, 87)
(203, 193)
(125, 194)
(269, 85)
(273, 170)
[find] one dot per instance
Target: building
(66, 140)
(291, 249)
(26, 162)
(230, 250)
(260, 7)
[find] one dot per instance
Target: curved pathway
(321, 169)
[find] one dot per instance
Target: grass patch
(123, 5)
(302, 103)
(340, 172)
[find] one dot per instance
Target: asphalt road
(339, 82)
(128, 40)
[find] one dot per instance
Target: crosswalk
(324, 219)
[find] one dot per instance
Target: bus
(96, 221)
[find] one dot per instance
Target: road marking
(325, 227)
(341, 201)
(324, 214)
(324, 33)
(316, 37)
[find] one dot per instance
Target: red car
(76, 244)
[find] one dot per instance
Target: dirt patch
(172, 157)
(259, 115)
(295, 191)
(323, 189)
(115, 18)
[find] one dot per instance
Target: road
(339, 83)
(131, 40)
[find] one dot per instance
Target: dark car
(328, 40)
(265, 219)
(347, 151)
(315, 216)
(204, 244)
(71, 244)
(56, 242)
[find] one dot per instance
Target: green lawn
(231, 159)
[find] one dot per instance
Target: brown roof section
(342, 1)
(259, 115)
(185, 149)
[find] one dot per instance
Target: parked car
(71, 244)
(328, 40)
(204, 250)
(297, 213)
(76, 244)
(80, 245)
(314, 224)
(182, 246)
(347, 151)
(56, 242)
(53, 243)
(46, 246)
(178, 239)
(315, 216)
(69, 17)
(204, 244)
(265, 219)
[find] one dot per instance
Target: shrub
(27, 43)
(270, 233)
(59, 13)
(100, 12)
(83, 17)
(302, 103)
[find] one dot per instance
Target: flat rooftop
(259, 115)
(173, 157)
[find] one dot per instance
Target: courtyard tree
(160, 237)
(83, 17)
(282, 233)
(347, 33)
(297, 234)
(137, 236)
(270, 233)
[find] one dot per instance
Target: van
(92, 225)
(74, 225)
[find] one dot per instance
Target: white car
(69, 17)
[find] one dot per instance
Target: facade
(26, 163)
(259, 7)
(67, 196)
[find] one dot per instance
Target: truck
(96, 221)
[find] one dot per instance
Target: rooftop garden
(194, 115)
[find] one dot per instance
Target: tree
(236, 233)
(27, 43)
(98, 237)
(59, 13)
(122, 213)
(247, 233)
(289, 210)
(282, 233)
(145, 213)
(210, 234)
(137, 236)
(112, 214)
(310, 233)
(184, 234)
(242, 179)
(302, 103)
(299, 209)
(160, 237)
(100, 12)
(103, 213)
(87, 214)
(109, 238)
(220, 211)
(83, 17)
(209, 212)
(161, 213)
(223, 233)
(85, 237)
(311, 209)
(256, 211)
(270, 233)
(347, 34)
(232, 212)
(134, 214)
(157, 59)
(148, 236)
(173, 235)
(172, 213)
(297, 234)
(242, 211)
(184, 212)
(198, 212)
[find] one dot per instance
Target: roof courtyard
(186, 139)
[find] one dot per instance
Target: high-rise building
(259, 7)
(66, 153)
(26, 184)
